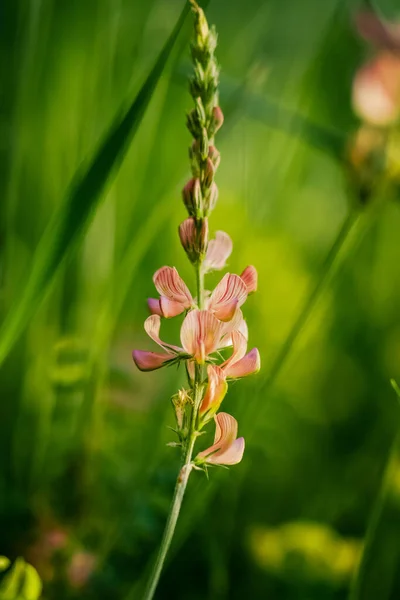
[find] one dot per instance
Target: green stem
(176, 504)
(368, 581)
(200, 285)
(185, 470)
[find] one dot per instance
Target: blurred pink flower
(376, 85)
(81, 568)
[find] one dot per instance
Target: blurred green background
(85, 475)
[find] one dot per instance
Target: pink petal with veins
(231, 456)
(230, 294)
(201, 334)
(218, 251)
(247, 365)
(226, 449)
(170, 308)
(150, 361)
(250, 277)
(171, 286)
(236, 324)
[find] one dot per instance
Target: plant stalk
(186, 467)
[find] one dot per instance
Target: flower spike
(213, 320)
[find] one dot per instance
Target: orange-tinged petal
(170, 308)
(230, 294)
(226, 450)
(239, 344)
(215, 391)
(201, 334)
(248, 365)
(231, 456)
(218, 251)
(171, 286)
(237, 323)
(150, 361)
(250, 277)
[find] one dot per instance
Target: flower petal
(230, 294)
(152, 327)
(150, 361)
(170, 308)
(376, 90)
(237, 323)
(231, 456)
(201, 334)
(248, 365)
(218, 251)
(154, 306)
(169, 284)
(216, 390)
(250, 277)
(239, 344)
(225, 434)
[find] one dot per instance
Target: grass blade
(82, 199)
(379, 563)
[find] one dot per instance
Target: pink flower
(376, 86)
(175, 296)
(215, 392)
(218, 252)
(240, 364)
(226, 449)
(81, 568)
(228, 296)
(201, 335)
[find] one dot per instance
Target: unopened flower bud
(192, 198)
(211, 200)
(201, 26)
(217, 120)
(204, 144)
(209, 172)
(193, 124)
(194, 238)
(215, 156)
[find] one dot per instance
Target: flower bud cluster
(200, 194)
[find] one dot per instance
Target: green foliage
(20, 581)
(83, 434)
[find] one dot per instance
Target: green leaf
(82, 199)
(22, 582)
